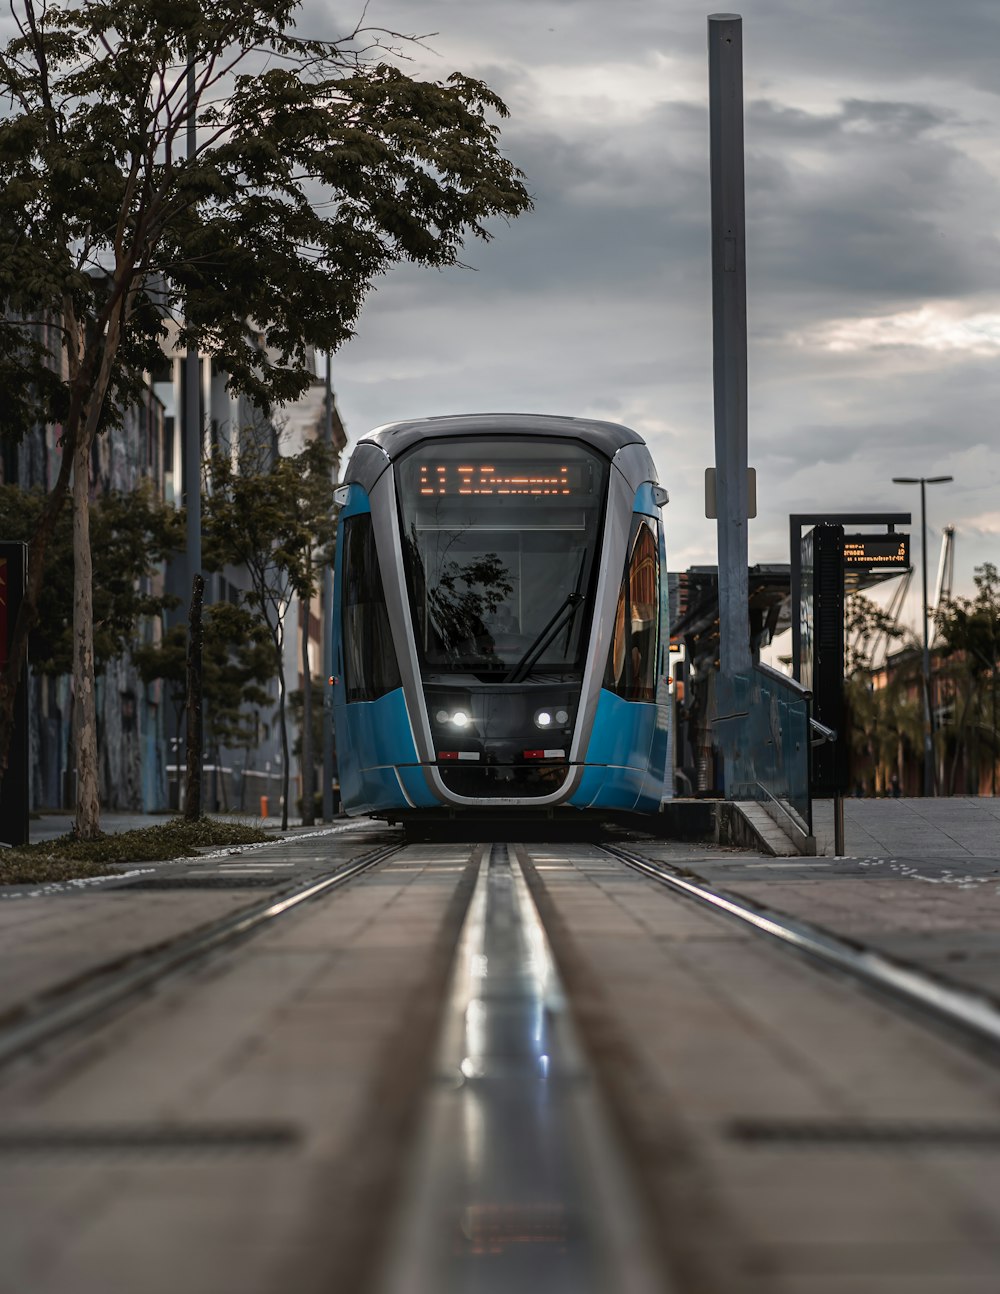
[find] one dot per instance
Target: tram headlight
(453, 716)
(546, 718)
(551, 718)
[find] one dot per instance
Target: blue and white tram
(500, 619)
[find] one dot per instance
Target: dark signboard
(822, 650)
(14, 789)
(877, 552)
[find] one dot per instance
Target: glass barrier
(771, 763)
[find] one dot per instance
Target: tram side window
(370, 665)
(631, 668)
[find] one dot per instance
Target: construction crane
(893, 611)
(945, 576)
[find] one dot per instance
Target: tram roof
(395, 437)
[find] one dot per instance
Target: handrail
(794, 818)
(792, 684)
(825, 734)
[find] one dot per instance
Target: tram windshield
(500, 542)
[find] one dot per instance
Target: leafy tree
(237, 665)
(316, 165)
(310, 737)
(884, 721)
(272, 515)
(132, 534)
(970, 628)
(887, 721)
(316, 533)
(867, 627)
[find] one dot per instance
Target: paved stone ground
(324, 1026)
(53, 933)
(951, 827)
(319, 1029)
(700, 1027)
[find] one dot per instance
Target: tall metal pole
(729, 315)
(328, 630)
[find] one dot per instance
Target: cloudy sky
(873, 187)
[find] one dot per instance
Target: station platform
(949, 827)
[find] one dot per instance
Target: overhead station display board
(866, 558)
(877, 552)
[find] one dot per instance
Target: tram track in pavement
(529, 1035)
(517, 1154)
(64, 1006)
(97, 992)
(967, 1016)
(778, 1120)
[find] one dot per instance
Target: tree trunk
(961, 740)
(88, 805)
(283, 721)
(192, 794)
(308, 780)
(221, 776)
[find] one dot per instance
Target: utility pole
(328, 629)
(729, 335)
(729, 352)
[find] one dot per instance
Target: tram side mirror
(661, 495)
(341, 494)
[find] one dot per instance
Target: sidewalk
(47, 826)
(950, 827)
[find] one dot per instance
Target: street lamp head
(921, 480)
(906, 480)
(938, 480)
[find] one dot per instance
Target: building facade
(140, 725)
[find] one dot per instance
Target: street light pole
(923, 482)
(328, 627)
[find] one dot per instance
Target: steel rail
(962, 1009)
(68, 1005)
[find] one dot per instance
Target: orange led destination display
(504, 478)
(877, 552)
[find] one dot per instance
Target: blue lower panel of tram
(383, 760)
(624, 758)
(624, 746)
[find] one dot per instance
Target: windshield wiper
(562, 618)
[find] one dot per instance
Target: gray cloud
(872, 183)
